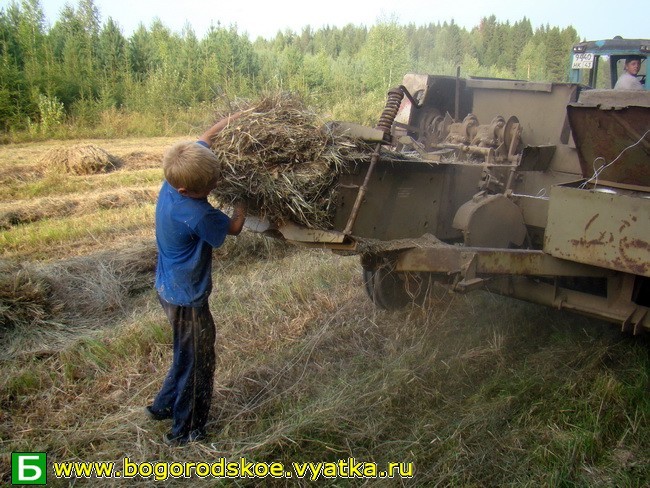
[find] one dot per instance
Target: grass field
(475, 390)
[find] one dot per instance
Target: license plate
(583, 61)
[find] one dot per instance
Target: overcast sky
(593, 20)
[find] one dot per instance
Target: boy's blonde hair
(191, 166)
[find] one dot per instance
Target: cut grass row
(37, 240)
(33, 210)
(56, 185)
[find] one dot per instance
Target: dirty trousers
(186, 392)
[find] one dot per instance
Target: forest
(82, 76)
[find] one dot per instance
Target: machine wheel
(391, 290)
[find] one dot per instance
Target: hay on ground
(25, 297)
(282, 158)
(80, 159)
(33, 210)
(142, 160)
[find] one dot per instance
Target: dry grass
(281, 157)
(81, 159)
(49, 304)
(33, 210)
(309, 370)
(53, 185)
(23, 162)
(25, 298)
(43, 305)
(142, 160)
(38, 240)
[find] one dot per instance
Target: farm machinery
(537, 191)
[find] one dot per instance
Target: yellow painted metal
(601, 226)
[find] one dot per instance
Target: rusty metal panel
(510, 85)
(602, 227)
(612, 142)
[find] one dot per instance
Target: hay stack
(81, 159)
(281, 158)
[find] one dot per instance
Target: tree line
(81, 68)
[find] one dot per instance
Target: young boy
(628, 79)
(187, 229)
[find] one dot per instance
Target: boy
(187, 229)
(628, 80)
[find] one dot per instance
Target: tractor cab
(598, 64)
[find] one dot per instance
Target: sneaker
(178, 441)
(153, 415)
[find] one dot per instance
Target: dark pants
(186, 392)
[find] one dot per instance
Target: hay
(142, 160)
(81, 159)
(25, 297)
(28, 211)
(79, 287)
(282, 158)
(43, 306)
(101, 284)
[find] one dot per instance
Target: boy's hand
(240, 206)
(238, 217)
(209, 134)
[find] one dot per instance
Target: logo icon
(28, 468)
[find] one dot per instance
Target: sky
(265, 18)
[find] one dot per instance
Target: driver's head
(633, 64)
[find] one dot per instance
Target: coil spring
(393, 101)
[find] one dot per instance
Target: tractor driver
(628, 80)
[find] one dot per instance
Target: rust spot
(591, 221)
(635, 243)
(625, 224)
(582, 242)
(636, 266)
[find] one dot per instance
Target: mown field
(474, 390)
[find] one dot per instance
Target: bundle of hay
(81, 159)
(25, 297)
(102, 283)
(280, 156)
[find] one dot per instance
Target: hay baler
(538, 191)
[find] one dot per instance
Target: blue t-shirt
(186, 231)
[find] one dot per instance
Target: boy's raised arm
(209, 134)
